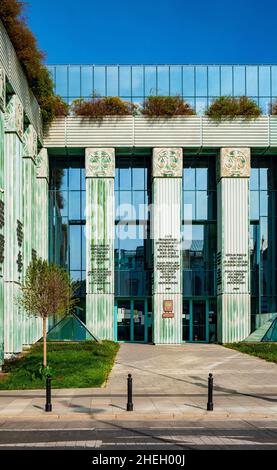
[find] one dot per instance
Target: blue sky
(155, 31)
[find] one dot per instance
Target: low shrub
(226, 107)
(31, 59)
(166, 106)
(102, 106)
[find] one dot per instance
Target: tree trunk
(44, 343)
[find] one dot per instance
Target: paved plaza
(169, 382)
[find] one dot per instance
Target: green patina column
(29, 218)
(14, 229)
(41, 215)
(42, 200)
(100, 172)
(233, 259)
(166, 234)
(2, 211)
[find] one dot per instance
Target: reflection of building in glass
(263, 185)
(67, 216)
(197, 84)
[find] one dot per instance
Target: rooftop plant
(166, 106)
(228, 107)
(31, 59)
(273, 108)
(102, 106)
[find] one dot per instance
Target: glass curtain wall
(199, 245)
(133, 249)
(67, 243)
(263, 250)
(197, 84)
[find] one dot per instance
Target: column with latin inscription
(100, 173)
(166, 233)
(233, 259)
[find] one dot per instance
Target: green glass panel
(271, 334)
(70, 328)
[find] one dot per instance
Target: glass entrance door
(124, 320)
(199, 320)
(138, 320)
(196, 320)
(132, 320)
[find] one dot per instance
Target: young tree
(47, 290)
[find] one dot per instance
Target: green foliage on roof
(31, 59)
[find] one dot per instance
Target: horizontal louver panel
(139, 131)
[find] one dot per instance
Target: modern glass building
(199, 85)
(169, 224)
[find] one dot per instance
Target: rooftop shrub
(229, 107)
(166, 106)
(31, 59)
(102, 106)
(273, 108)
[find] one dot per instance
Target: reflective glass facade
(197, 84)
(263, 215)
(199, 243)
(67, 243)
(133, 247)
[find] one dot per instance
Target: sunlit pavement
(168, 382)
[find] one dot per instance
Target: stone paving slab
(167, 381)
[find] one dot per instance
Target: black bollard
(210, 405)
(130, 405)
(48, 405)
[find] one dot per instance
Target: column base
(100, 315)
(167, 325)
(233, 313)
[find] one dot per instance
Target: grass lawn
(85, 364)
(267, 351)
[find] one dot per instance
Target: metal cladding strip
(100, 170)
(40, 216)
(2, 238)
(115, 131)
(13, 240)
(18, 81)
(42, 196)
(233, 246)
(100, 307)
(237, 132)
(174, 131)
(27, 188)
(231, 310)
(5, 45)
(166, 234)
(140, 131)
(55, 134)
(38, 212)
(273, 131)
(29, 222)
